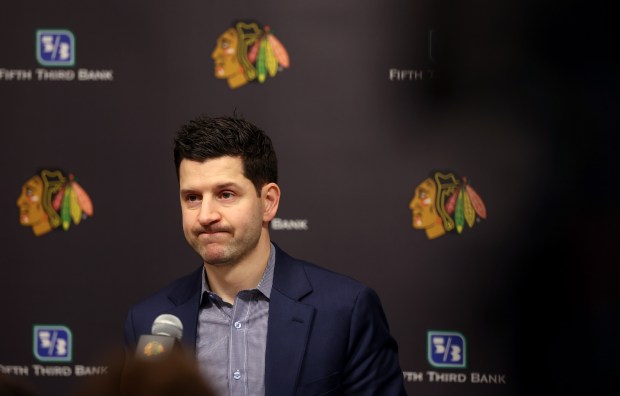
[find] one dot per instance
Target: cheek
(427, 202)
(186, 221)
(253, 218)
(229, 51)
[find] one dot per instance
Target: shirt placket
(238, 344)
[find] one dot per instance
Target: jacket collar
(186, 298)
(289, 278)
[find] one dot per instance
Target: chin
(216, 261)
(216, 257)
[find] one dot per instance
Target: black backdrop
(518, 97)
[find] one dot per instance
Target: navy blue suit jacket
(327, 334)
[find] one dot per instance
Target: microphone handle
(152, 346)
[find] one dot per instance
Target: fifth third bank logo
(446, 349)
(55, 47)
(52, 343)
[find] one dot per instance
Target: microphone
(168, 325)
(166, 334)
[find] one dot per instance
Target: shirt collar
(264, 285)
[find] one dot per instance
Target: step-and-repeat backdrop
(429, 150)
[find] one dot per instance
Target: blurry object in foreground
(175, 373)
(11, 387)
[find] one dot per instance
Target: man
(261, 322)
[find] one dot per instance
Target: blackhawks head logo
(443, 203)
(153, 348)
(247, 52)
(50, 200)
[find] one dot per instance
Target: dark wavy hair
(207, 138)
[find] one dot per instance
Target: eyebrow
(217, 187)
(227, 185)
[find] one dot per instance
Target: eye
(192, 200)
(225, 44)
(227, 195)
(29, 192)
(422, 195)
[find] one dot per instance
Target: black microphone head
(168, 325)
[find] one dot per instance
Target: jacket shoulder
(176, 290)
(141, 315)
(315, 279)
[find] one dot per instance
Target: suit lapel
(288, 326)
(186, 297)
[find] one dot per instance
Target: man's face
(223, 217)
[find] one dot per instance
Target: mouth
(210, 234)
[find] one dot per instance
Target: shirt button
(237, 375)
(237, 325)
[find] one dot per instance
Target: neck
(229, 279)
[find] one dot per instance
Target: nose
(214, 53)
(209, 213)
(413, 203)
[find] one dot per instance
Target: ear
(270, 195)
